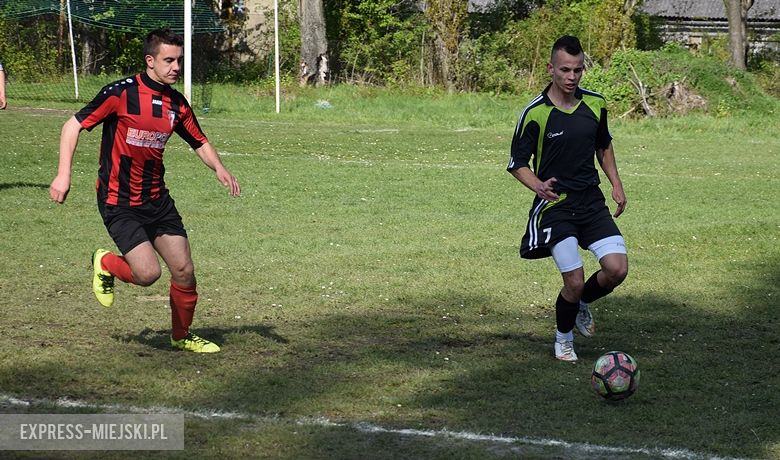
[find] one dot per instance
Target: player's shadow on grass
(161, 339)
(10, 185)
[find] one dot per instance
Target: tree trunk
(441, 63)
(87, 52)
(447, 21)
(314, 42)
(736, 12)
(61, 36)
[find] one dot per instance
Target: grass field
(367, 283)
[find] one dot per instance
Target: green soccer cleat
(194, 344)
(102, 281)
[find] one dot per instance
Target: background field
(369, 275)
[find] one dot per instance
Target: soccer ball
(615, 376)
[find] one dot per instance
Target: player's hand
(59, 189)
(620, 199)
(544, 190)
(230, 182)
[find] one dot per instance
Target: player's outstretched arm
(208, 154)
(608, 164)
(69, 139)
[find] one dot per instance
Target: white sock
(561, 337)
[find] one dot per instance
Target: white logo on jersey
(144, 138)
(172, 117)
(551, 135)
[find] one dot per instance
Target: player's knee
(572, 288)
(616, 274)
(147, 276)
(184, 274)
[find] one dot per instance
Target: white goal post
(188, 50)
(73, 52)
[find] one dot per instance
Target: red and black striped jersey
(138, 116)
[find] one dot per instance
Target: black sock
(592, 290)
(565, 314)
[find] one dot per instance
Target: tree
(736, 11)
(609, 27)
(447, 19)
(314, 42)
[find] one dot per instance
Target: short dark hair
(568, 43)
(159, 37)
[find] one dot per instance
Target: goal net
(36, 49)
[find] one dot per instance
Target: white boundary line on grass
(363, 427)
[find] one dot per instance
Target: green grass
(369, 273)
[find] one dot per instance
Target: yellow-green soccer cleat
(195, 344)
(102, 281)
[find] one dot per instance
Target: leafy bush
(130, 49)
(486, 65)
(618, 90)
(646, 30)
(514, 58)
(29, 50)
(376, 41)
(630, 68)
(766, 66)
(707, 82)
(768, 76)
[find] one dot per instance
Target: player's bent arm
(208, 154)
(544, 189)
(69, 139)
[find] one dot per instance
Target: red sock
(183, 300)
(117, 266)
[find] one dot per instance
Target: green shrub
(486, 65)
(726, 91)
(627, 69)
(766, 67)
(29, 50)
(768, 76)
(375, 41)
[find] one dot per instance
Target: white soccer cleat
(584, 321)
(564, 351)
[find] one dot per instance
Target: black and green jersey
(562, 143)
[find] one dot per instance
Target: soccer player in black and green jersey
(553, 148)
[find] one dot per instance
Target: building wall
(251, 23)
(763, 35)
(260, 26)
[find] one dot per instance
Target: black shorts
(582, 214)
(130, 226)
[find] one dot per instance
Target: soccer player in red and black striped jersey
(559, 133)
(139, 114)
